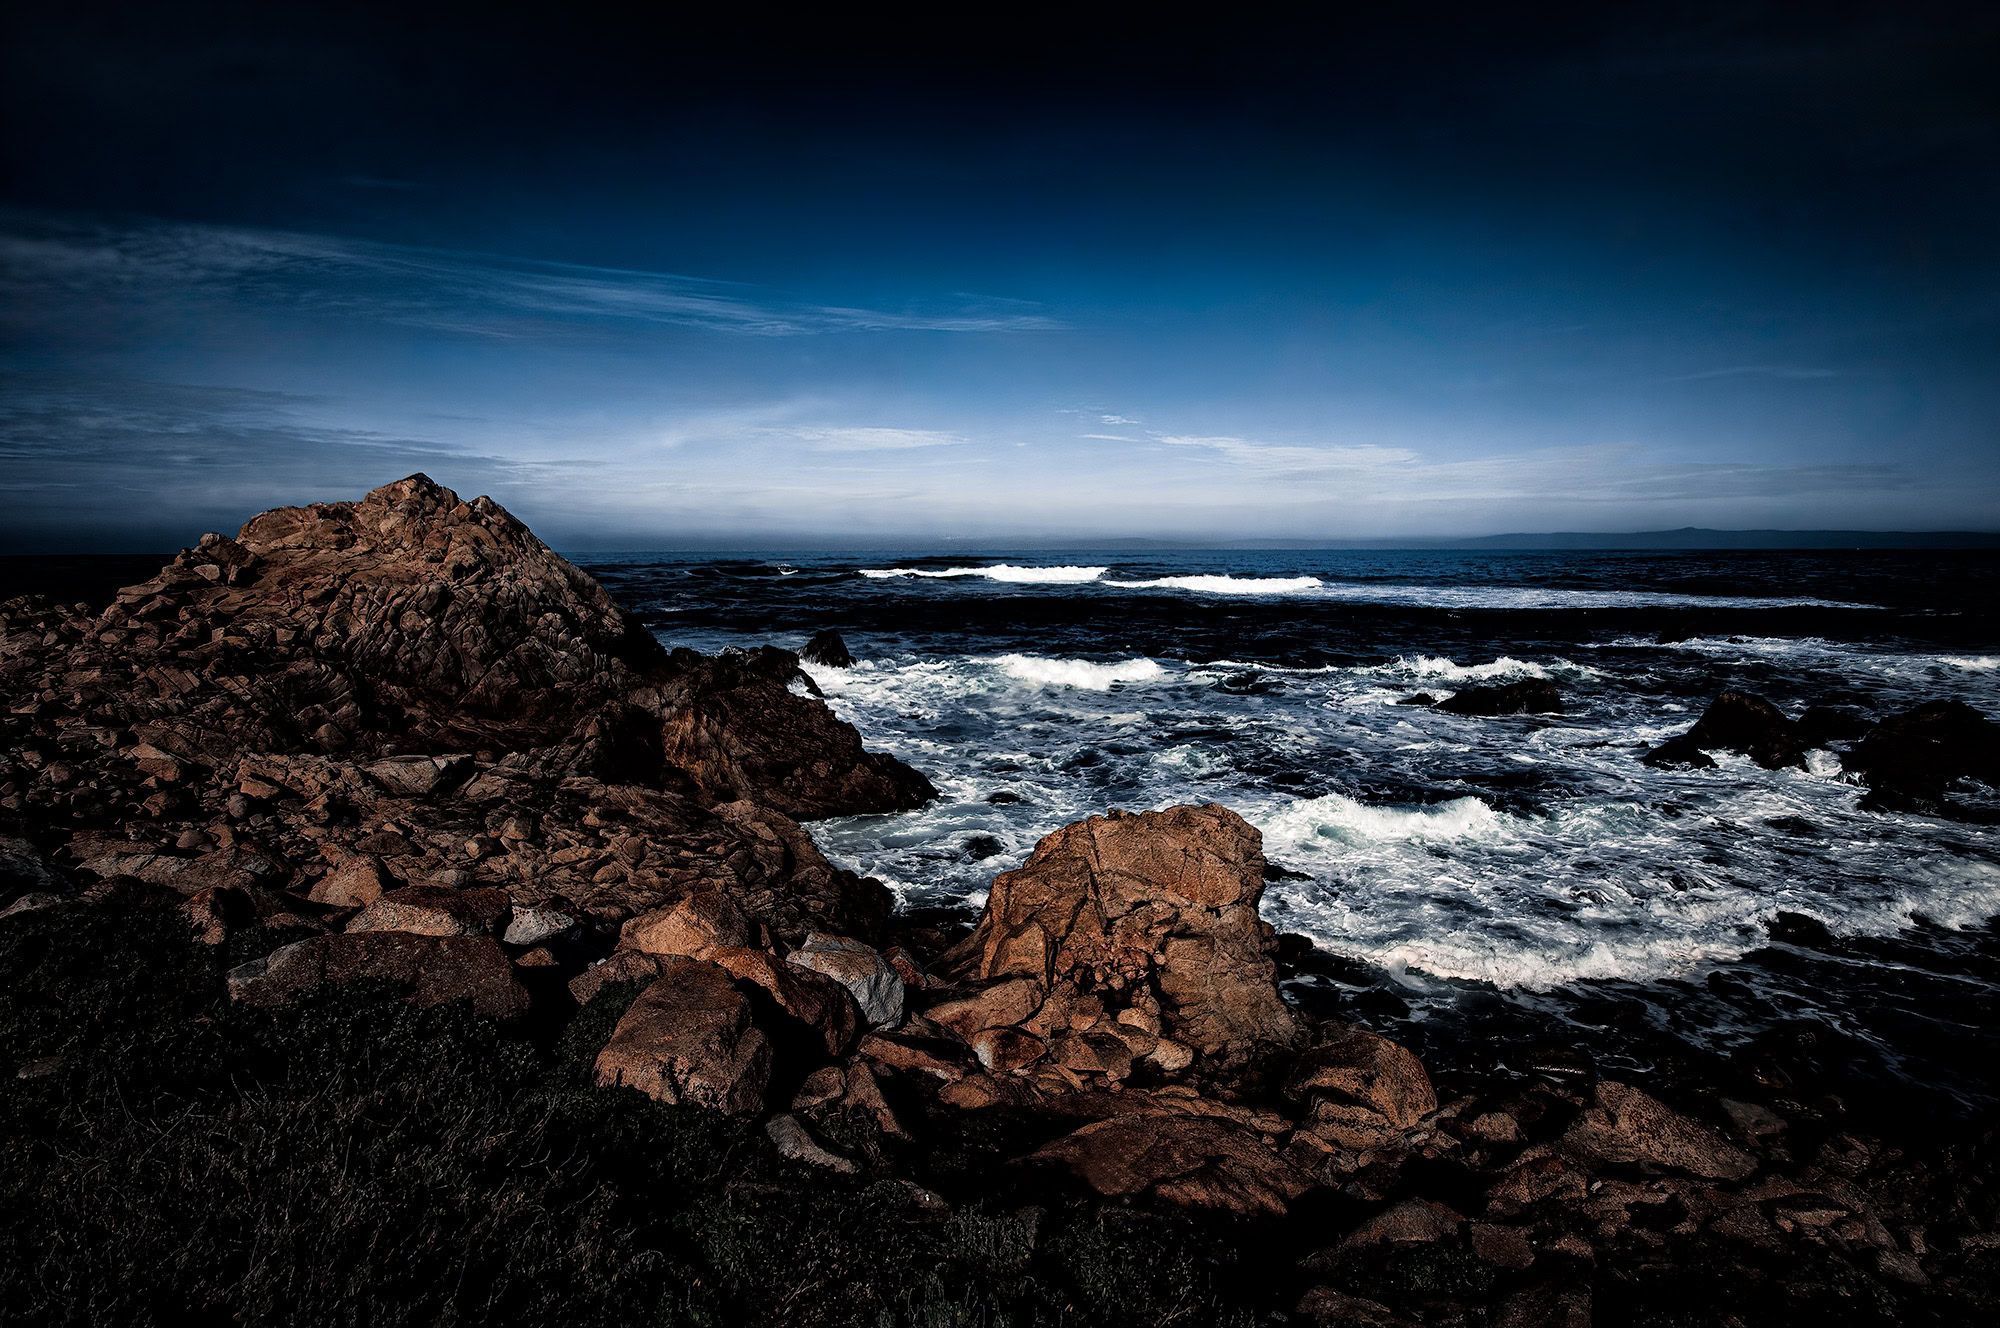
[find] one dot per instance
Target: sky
(993, 277)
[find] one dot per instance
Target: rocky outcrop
(410, 623)
(1735, 722)
(1193, 1161)
(1625, 1126)
(1530, 696)
(1125, 935)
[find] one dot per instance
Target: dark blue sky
(788, 281)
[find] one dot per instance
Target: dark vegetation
(354, 1159)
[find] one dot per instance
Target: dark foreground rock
(1530, 696)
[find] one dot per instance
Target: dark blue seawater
(1465, 875)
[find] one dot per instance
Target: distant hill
(1696, 537)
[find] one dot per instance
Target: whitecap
(1972, 663)
(1046, 672)
(1226, 585)
(997, 572)
(1337, 816)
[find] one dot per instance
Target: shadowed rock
(435, 969)
(1530, 696)
(1735, 722)
(1195, 1161)
(827, 648)
(1909, 761)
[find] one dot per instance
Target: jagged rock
(436, 969)
(1625, 1126)
(1412, 1222)
(435, 910)
(33, 901)
(1909, 761)
(702, 922)
(355, 883)
(1157, 909)
(828, 649)
(868, 977)
(793, 1142)
(1195, 1161)
(410, 624)
(624, 966)
(535, 926)
(819, 1002)
(1735, 722)
(1530, 696)
(689, 1038)
(1353, 1065)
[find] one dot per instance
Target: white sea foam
(1336, 816)
(1445, 670)
(1078, 672)
(1971, 664)
(1226, 585)
(997, 572)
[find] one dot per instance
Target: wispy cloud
(873, 439)
(1290, 459)
(1117, 419)
(1756, 371)
(144, 262)
(1109, 437)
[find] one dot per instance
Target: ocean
(1468, 883)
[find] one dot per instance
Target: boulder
(1192, 1160)
(436, 970)
(1626, 1127)
(435, 910)
(868, 977)
(1154, 911)
(792, 1141)
(634, 966)
(819, 1002)
(355, 883)
(689, 1038)
(702, 922)
(826, 648)
(1352, 1065)
(1736, 722)
(1909, 761)
(1530, 696)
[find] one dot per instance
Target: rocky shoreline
(400, 744)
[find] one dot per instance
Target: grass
(354, 1160)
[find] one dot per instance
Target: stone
(533, 926)
(1503, 1247)
(827, 649)
(625, 966)
(32, 902)
(1910, 760)
(1351, 1064)
(1000, 1005)
(1625, 1126)
(689, 1039)
(1159, 909)
(1412, 1222)
(418, 776)
(355, 883)
(933, 1058)
(1530, 696)
(1194, 1161)
(1737, 722)
(704, 921)
(868, 977)
(793, 1142)
(1003, 1050)
(435, 969)
(819, 1002)
(435, 910)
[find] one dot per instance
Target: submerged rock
(1736, 722)
(1530, 696)
(828, 649)
(1909, 761)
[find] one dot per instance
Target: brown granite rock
(688, 1038)
(1195, 1161)
(1154, 910)
(704, 921)
(1625, 1126)
(1351, 1064)
(436, 969)
(435, 910)
(814, 1000)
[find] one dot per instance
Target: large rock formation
(1131, 934)
(413, 622)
